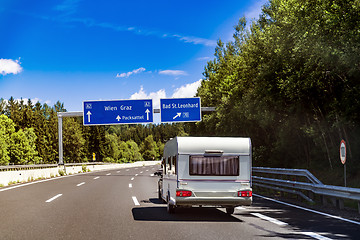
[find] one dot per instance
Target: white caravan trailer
(206, 171)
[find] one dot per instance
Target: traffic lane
(269, 220)
(304, 221)
(143, 184)
(209, 223)
(99, 211)
(26, 206)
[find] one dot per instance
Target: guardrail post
(333, 201)
(340, 203)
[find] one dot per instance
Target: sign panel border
(161, 120)
(118, 100)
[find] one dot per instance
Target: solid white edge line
(270, 219)
(80, 184)
(240, 208)
(136, 202)
(46, 180)
(309, 210)
(315, 235)
(53, 198)
(130, 185)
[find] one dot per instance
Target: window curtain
(216, 166)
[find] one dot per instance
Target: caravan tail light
(244, 193)
(182, 193)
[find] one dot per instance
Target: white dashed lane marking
(53, 198)
(136, 202)
(273, 220)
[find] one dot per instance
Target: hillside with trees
(290, 81)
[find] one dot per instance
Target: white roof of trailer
(201, 145)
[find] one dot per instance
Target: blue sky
(76, 50)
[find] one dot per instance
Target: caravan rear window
(214, 165)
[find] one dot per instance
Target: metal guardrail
(296, 187)
(285, 171)
(39, 166)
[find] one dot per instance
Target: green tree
(22, 148)
(73, 140)
(7, 128)
(135, 154)
(149, 148)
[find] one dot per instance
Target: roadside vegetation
(291, 81)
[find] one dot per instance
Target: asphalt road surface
(123, 204)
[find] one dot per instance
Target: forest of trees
(289, 80)
(29, 135)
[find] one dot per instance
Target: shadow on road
(195, 214)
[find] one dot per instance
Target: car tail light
(244, 193)
(182, 193)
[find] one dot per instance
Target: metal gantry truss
(61, 115)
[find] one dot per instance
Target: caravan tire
(159, 193)
(230, 210)
(170, 208)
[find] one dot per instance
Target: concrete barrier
(21, 176)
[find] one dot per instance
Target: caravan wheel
(159, 193)
(230, 210)
(170, 208)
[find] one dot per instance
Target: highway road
(123, 204)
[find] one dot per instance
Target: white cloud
(185, 91)
(195, 40)
(128, 74)
(203, 58)
(173, 72)
(68, 7)
(254, 10)
(188, 90)
(8, 66)
(155, 96)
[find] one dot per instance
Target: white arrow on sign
(118, 118)
(147, 113)
(88, 114)
(177, 115)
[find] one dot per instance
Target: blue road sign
(117, 112)
(180, 110)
